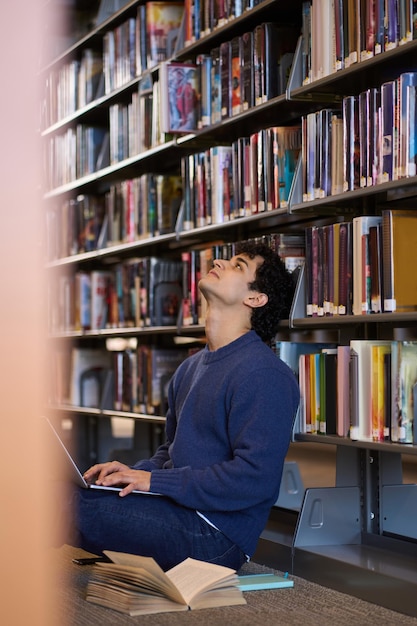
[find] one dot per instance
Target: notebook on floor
(74, 473)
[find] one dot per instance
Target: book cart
(359, 536)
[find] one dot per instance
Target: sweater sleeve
(259, 427)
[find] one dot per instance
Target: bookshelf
(355, 534)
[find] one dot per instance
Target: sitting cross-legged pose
(230, 413)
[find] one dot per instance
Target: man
(230, 413)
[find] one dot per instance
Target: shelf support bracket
(329, 516)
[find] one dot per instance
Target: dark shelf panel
(236, 229)
(358, 200)
(353, 320)
(360, 76)
(80, 410)
(402, 448)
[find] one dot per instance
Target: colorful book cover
(411, 145)
(316, 415)
(181, 85)
(263, 581)
(404, 377)
(216, 87)
(286, 149)
(407, 132)
(302, 380)
(226, 79)
(363, 349)
(378, 394)
(235, 76)
(204, 61)
(163, 21)
(399, 236)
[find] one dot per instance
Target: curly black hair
(273, 279)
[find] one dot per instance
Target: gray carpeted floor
(305, 604)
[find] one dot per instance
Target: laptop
(76, 476)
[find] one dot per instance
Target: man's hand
(114, 474)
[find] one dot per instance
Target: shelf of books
(171, 131)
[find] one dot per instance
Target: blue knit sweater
(228, 430)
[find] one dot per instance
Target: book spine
(247, 76)
(387, 262)
(343, 391)
(235, 76)
(225, 79)
(205, 63)
(310, 155)
(216, 87)
(258, 64)
(406, 92)
(392, 24)
(351, 143)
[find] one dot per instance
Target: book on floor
(257, 582)
(136, 585)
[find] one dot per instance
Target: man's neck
(222, 330)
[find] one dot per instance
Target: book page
(191, 577)
(156, 574)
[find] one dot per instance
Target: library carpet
(304, 604)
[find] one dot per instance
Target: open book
(136, 585)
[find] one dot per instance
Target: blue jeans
(150, 526)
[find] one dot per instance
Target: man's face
(228, 280)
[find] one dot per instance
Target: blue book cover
(254, 582)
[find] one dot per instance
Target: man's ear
(256, 300)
